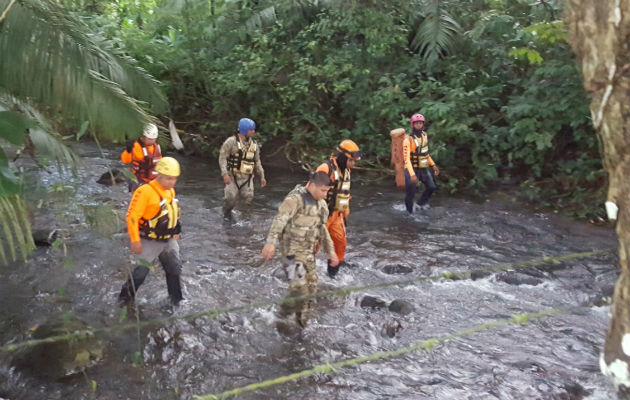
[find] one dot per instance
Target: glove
(129, 146)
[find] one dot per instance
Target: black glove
(129, 145)
(345, 222)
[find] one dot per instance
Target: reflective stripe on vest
(145, 169)
(338, 197)
(165, 223)
(420, 155)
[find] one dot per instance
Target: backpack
(398, 137)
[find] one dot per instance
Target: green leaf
(145, 263)
(83, 129)
(13, 127)
(56, 244)
(129, 175)
(123, 315)
(68, 263)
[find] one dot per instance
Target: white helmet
(150, 131)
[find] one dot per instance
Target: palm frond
(15, 233)
(49, 148)
(437, 33)
(29, 128)
(50, 58)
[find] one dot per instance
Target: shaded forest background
(496, 80)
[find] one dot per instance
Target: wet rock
(401, 307)
(397, 269)
(515, 278)
(45, 237)
(390, 329)
(61, 357)
(575, 391)
(112, 177)
(372, 302)
(474, 275)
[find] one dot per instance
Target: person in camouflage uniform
(298, 230)
(239, 158)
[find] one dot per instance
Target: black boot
(332, 271)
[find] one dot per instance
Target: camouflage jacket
(300, 224)
(230, 147)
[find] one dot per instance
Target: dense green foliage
(55, 72)
(495, 79)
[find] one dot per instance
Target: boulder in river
(515, 278)
(397, 269)
(402, 307)
(112, 177)
(45, 237)
(391, 328)
(372, 302)
(59, 358)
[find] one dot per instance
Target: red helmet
(415, 118)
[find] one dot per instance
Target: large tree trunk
(599, 32)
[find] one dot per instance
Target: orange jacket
(325, 168)
(145, 204)
(143, 169)
(409, 146)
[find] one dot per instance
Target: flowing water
(556, 357)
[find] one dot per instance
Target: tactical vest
(165, 224)
(243, 161)
(338, 197)
(145, 169)
(420, 155)
(302, 232)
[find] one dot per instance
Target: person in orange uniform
(143, 154)
(417, 162)
(338, 169)
(154, 227)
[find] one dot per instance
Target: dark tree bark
(599, 33)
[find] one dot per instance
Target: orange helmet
(350, 148)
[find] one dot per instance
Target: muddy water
(551, 358)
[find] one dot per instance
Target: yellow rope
(427, 345)
(213, 313)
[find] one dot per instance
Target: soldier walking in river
(154, 227)
(239, 158)
(299, 229)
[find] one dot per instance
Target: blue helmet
(246, 124)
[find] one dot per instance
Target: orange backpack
(398, 136)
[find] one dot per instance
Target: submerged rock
(61, 357)
(111, 177)
(401, 307)
(397, 269)
(515, 278)
(372, 302)
(390, 329)
(45, 237)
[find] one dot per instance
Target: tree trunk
(599, 33)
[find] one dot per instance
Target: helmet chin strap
(417, 132)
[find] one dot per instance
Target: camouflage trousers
(242, 186)
(302, 276)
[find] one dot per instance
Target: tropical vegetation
(496, 80)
